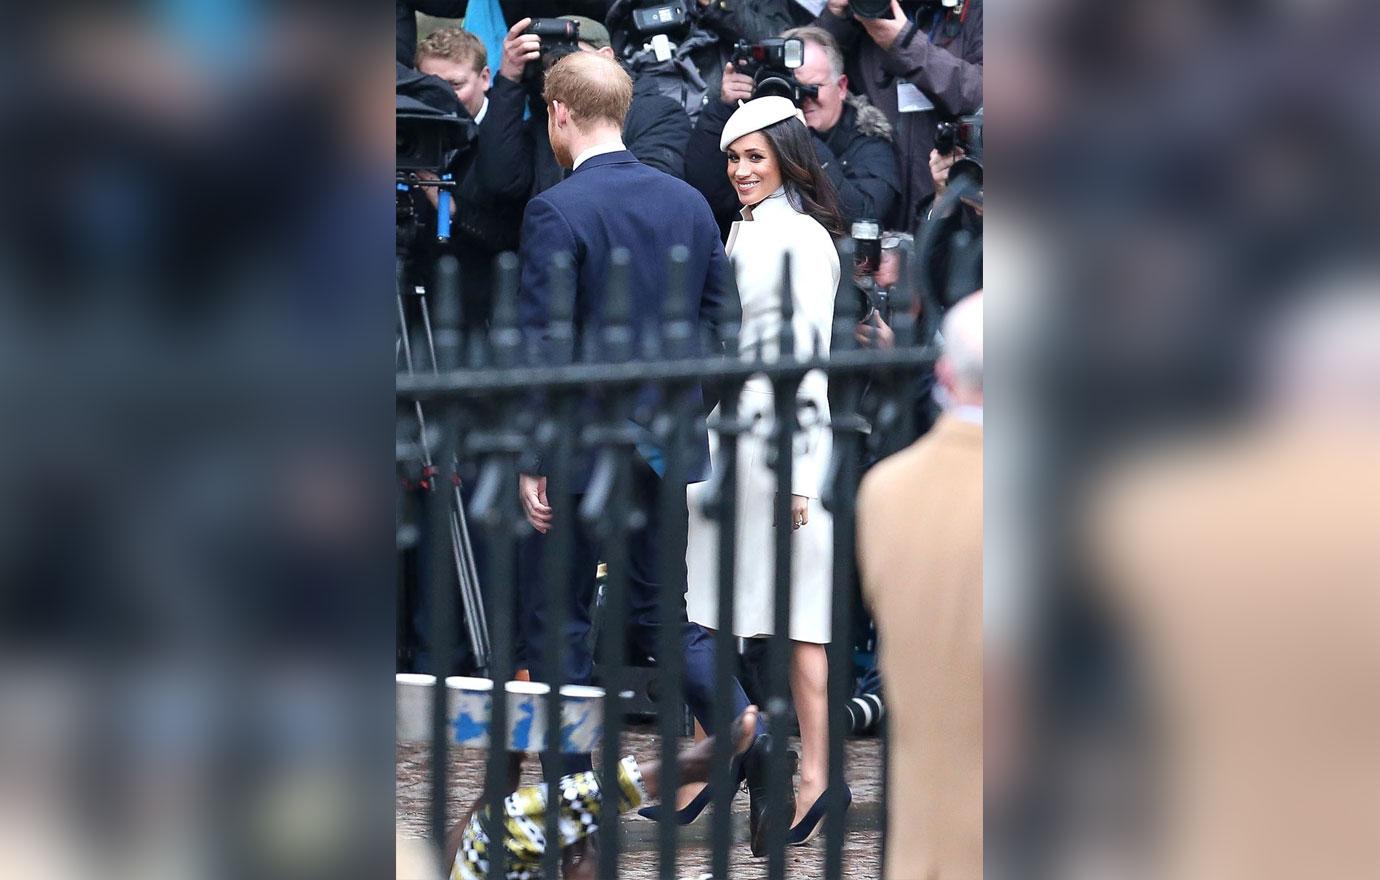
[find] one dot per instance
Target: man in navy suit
(610, 201)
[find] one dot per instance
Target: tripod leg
(467, 601)
(467, 552)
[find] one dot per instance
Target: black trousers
(645, 552)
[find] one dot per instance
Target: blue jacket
(611, 201)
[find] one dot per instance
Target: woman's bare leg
(809, 690)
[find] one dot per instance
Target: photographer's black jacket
(940, 53)
(856, 154)
(489, 202)
(655, 132)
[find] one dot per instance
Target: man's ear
(560, 114)
(607, 52)
(486, 77)
(843, 83)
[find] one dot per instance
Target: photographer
(921, 64)
(874, 330)
(851, 138)
(655, 129)
(486, 218)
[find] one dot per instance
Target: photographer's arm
(705, 166)
(503, 153)
(657, 134)
(870, 185)
(838, 21)
(735, 20)
(952, 82)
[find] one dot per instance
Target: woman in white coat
(789, 210)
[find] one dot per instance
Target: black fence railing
(578, 397)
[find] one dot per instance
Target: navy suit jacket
(611, 201)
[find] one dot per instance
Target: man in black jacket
(485, 215)
(851, 138)
(655, 131)
(920, 66)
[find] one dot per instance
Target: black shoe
(808, 827)
(755, 772)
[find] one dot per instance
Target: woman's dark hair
(801, 171)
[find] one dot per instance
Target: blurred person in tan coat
(920, 558)
(1245, 567)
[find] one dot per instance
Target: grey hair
(962, 332)
(825, 40)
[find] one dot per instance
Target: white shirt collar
(483, 108)
(780, 200)
(967, 413)
(598, 150)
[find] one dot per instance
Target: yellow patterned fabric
(524, 821)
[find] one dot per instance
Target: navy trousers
(645, 550)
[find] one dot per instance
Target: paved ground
(862, 847)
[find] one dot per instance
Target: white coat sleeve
(814, 284)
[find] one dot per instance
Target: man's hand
(736, 86)
(532, 491)
(433, 193)
(800, 511)
(873, 332)
(885, 31)
(838, 8)
(940, 166)
(518, 50)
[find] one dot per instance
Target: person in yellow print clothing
(525, 811)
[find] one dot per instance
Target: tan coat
(920, 555)
(1246, 571)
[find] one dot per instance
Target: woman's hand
(800, 511)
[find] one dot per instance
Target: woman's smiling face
(752, 168)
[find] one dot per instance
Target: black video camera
(433, 128)
(430, 143)
(770, 64)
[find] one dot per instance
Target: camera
(964, 134)
(555, 33)
(870, 8)
(559, 37)
(867, 240)
(769, 63)
(428, 142)
(663, 18)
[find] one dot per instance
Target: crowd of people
(874, 91)
(764, 133)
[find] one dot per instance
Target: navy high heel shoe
(809, 827)
(691, 811)
(686, 814)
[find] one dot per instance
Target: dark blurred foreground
(196, 465)
(1182, 573)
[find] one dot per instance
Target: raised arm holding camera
(655, 130)
(920, 62)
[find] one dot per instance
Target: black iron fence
(578, 395)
